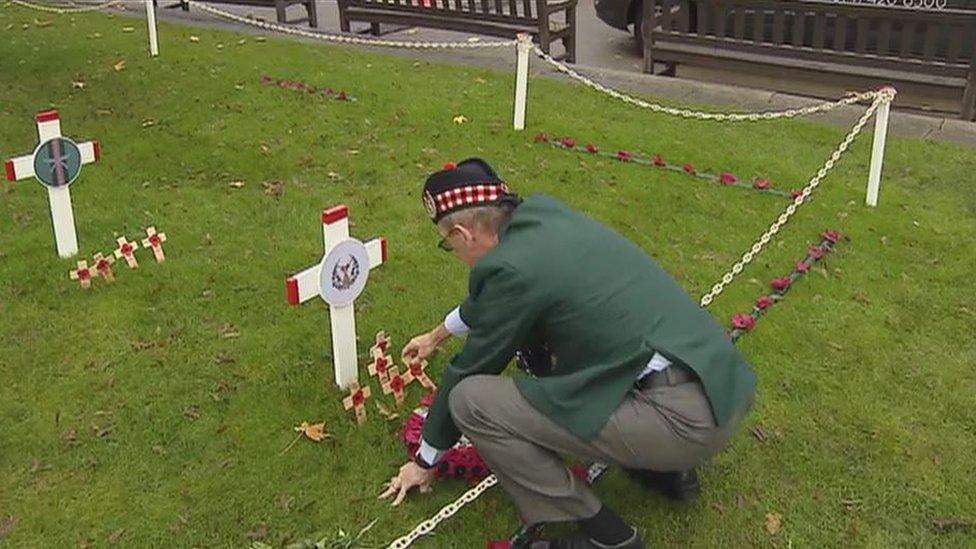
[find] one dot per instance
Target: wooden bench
(884, 45)
(279, 5)
(504, 18)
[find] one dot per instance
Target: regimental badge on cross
(417, 369)
(103, 266)
(126, 250)
(381, 345)
(82, 274)
(155, 241)
(380, 367)
(357, 401)
(55, 163)
(395, 383)
(338, 279)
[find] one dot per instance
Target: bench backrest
(523, 12)
(933, 42)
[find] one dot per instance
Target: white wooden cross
(338, 279)
(56, 163)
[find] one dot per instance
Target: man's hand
(420, 347)
(411, 475)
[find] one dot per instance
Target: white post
(521, 79)
(877, 151)
(63, 219)
(151, 22)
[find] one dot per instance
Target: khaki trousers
(663, 428)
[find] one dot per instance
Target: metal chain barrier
(701, 115)
(342, 39)
(63, 11)
(447, 511)
(883, 96)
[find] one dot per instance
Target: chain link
(63, 11)
(341, 39)
(447, 511)
(701, 115)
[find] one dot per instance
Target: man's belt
(675, 374)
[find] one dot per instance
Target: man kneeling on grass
(623, 366)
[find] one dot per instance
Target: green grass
(866, 372)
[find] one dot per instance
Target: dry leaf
(284, 501)
(460, 119)
(261, 39)
(259, 533)
(6, 525)
(128, 29)
(148, 123)
(313, 431)
(70, 436)
(194, 39)
(77, 84)
(236, 184)
(228, 331)
(773, 523)
(264, 149)
(385, 412)
(192, 412)
(41, 24)
(273, 188)
(760, 434)
(120, 65)
(114, 536)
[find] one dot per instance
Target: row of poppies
(744, 322)
(729, 179)
(298, 85)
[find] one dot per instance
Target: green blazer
(602, 306)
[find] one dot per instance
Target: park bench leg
(570, 41)
(313, 16)
(280, 11)
(969, 95)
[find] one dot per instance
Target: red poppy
(831, 236)
(764, 302)
(795, 193)
(396, 383)
(427, 400)
(688, 168)
(449, 166)
(802, 266)
(126, 249)
(728, 178)
(591, 148)
(541, 137)
(762, 183)
(624, 156)
(341, 96)
(498, 544)
(358, 398)
(102, 265)
(580, 471)
(658, 161)
(568, 142)
(816, 252)
(780, 284)
(154, 240)
(742, 321)
(84, 274)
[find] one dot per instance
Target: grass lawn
(132, 413)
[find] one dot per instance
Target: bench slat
(955, 43)
(718, 15)
(819, 23)
(907, 38)
(527, 8)
(683, 15)
(884, 37)
(739, 21)
(840, 33)
(703, 19)
(931, 34)
(759, 24)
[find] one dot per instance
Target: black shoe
(584, 542)
(678, 485)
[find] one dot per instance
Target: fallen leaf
(773, 523)
(760, 433)
(242, 41)
(260, 532)
(718, 507)
(95, 35)
(70, 436)
(861, 298)
(77, 84)
(38, 466)
(273, 188)
(114, 536)
(102, 430)
(835, 346)
(333, 175)
(194, 39)
(460, 119)
(314, 431)
(128, 29)
(42, 24)
(104, 112)
(119, 65)
(284, 501)
(236, 184)
(228, 331)
(261, 39)
(6, 525)
(264, 149)
(385, 412)
(192, 412)
(140, 345)
(953, 524)
(148, 123)
(224, 358)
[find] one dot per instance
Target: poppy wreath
(744, 322)
(299, 86)
(726, 178)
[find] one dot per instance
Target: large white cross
(339, 279)
(56, 163)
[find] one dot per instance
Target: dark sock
(606, 527)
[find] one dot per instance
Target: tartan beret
(467, 184)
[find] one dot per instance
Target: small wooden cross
(380, 367)
(416, 370)
(103, 266)
(382, 344)
(395, 384)
(155, 241)
(357, 400)
(82, 274)
(125, 250)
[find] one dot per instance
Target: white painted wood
(87, 150)
(521, 79)
(23, 167)
(151, 23)
(49, 129)
(877, 153)
(63, 220)
(334, 233)
(343, 320)
(375, 250)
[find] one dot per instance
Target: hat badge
(430, 205)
